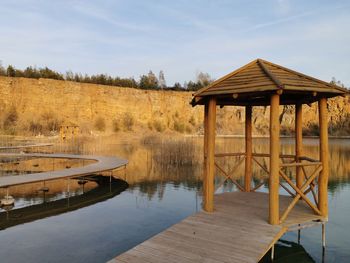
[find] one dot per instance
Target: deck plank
(237, 231)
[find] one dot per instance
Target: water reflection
(164, 177)
(105, 189)
(289, 252)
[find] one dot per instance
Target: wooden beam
(323, 177)
(248, 148)
(298, 142)
(208, 186)
(274, 160)
(270, 74)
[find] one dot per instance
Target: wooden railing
(229, 175)
(287, 161)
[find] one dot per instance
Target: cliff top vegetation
(148, 81)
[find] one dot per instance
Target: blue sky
(128, 38)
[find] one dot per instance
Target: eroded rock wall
(83, 104)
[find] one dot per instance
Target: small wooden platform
(237, 231)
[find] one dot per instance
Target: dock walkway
(237, 231)
(102, 164)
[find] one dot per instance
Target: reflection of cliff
(156, 162)
(102, 192)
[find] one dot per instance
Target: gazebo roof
(253, 83)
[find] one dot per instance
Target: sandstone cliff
(91, 106)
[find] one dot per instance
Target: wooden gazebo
(262, 83)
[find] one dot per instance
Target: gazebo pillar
(209, 152)
(299, 142)
(274, 160)
(323, 177)
(248, 148)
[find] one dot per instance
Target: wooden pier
(243, 226)
(237, 231)
(102, 164)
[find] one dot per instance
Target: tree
(69, 75)
(177, 86)
(31, 72)
(149, 82)
(10, 71)
(204, 79)
(193, 86)
(2, 69)
(337, 82)
(161, 80)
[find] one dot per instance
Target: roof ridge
(225, 77)
(267, 72)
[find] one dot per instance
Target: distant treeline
(148, 81)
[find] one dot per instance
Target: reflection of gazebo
(261, 83)
(69, 130)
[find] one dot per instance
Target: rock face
(84, 104)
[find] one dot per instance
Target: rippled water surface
(164, 187)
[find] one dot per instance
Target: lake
(164, 177)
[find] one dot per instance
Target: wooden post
(274, 160)
(248, 148)
(323, 177)
(299, 142)
(209, 150)
(205, 150)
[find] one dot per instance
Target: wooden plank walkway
(15, 147)
(237, 231)
(102, 164)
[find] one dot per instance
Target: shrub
(128, 121)
(50, 122)
(158, 125)
(100, 124)
(192, 121)
(188, 129)
(179, 126)
(115, 126)
(150, 126)
(35, 127)
(10, 118)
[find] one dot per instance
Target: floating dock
(237, 231)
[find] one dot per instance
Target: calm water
(164, 187)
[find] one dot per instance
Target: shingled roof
(253, 83)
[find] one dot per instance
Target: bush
(115, 126)
(158, 125)
(128, 121)
(35, 127)
(179, 126)
(192, 121)
(150, 126)
(188, 129)
(10, 118)
(100, 124)
(50, 122)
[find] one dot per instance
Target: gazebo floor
(237, 231)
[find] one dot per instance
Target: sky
(182, 38)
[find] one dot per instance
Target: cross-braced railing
(240, 157)
(287, 162)
(309, 184)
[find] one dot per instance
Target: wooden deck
(102, 164)
(237, 231)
